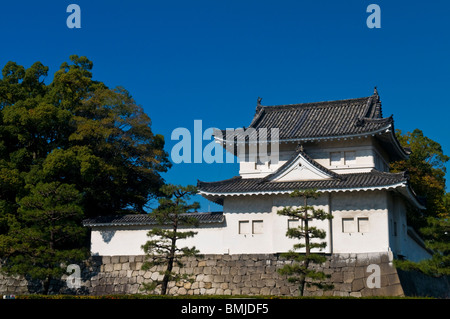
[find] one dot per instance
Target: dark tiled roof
(346, 181)
(321, 119)
(147, 219)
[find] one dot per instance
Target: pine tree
(162, 250)
(47, 233)
(74, 149)
(300, 270)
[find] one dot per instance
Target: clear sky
(210, 60)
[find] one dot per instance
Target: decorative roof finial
(259, 101)
(375, 91)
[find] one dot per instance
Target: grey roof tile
(345, 181)
(320, 119)
(147, 219)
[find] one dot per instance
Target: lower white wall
(226, 238)
(117, 241)
(354, 206)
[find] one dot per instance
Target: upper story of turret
(343, 136)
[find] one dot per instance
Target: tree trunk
(47, 285)
(171, 258)
(307, 252)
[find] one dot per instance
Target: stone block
(207, 270)
(337, 277)
(255, 291)
(123, 259)
(216, 270)
(245, 290)
(348, 276)
(393, 279)
(117, 267)
(236, 291)
(358, 284)
(265, 291)
(225, 271)
(387, 269)
(211, 291)
(360, 272)
(269, 282)
(367, 292)
(108, 267)
(211, 262)
(237, 279)
(219, 291)
(242, 271)
(374, 258)
(362, 259)
(218, 278)
(208, 278)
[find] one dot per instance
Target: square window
(363, 225)
(348, 225)
(257, 226)
(335, 158)
(244, 227)
(350, 158)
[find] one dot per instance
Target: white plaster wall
(283, 243)
(249, 208)
(128, 240)
(400, 241)
(369, 155)
(371, 205)
(264, 208)
(415, 252)
(380, 207)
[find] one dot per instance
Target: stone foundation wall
(351, 275)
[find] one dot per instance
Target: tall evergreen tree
(73, 132)
(300, 270)
(47, 232)
(162, 249)
(426, 166)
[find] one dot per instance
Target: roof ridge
(199, 182)
(259, 180)
(313, 104)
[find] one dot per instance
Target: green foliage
(47, 232)
(299, 271)
(162, 250)
(74, 132)
(426, 166)
(438, 234)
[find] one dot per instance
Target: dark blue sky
(210, 60)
